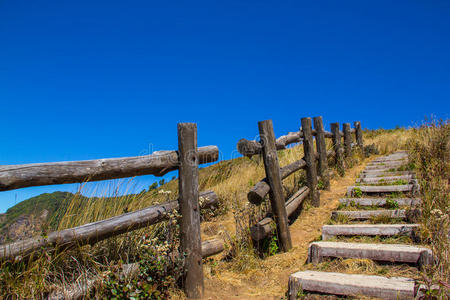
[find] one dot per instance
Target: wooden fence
(315, 164)
(185, 160)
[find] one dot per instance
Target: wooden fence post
(337, 148)
(191, 244)
(358, 134)
(347, 139)
(310, 159)
(273, 176)
(322, 150)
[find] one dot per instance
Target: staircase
(386, 192)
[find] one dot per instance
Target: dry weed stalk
(430, 153)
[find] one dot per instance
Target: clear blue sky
(95, 79)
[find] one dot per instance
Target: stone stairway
(386, 192)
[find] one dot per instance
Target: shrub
(357, 192)
(159, 270)
(370, 150)
(320, 185)
(391, 204)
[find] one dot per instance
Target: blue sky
(96, 79)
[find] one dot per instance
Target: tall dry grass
(429, 151)
(231, 180)
(388, 140)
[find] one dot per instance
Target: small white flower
(436, 212)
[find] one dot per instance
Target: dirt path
(269, 281)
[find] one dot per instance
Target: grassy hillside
(51, 202)
(231, 180)
(36, 213)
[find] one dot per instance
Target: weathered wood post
(347, 139)
(191, 244)
(310, 159)
(358, 134)
(270, 157)
(322, 150)
(337, 148)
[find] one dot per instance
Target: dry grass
(388, 141)
(240, 274)
(366, 267)
(33, 279)
(342, 219)
(404, 239)
(430, 153)
(355, 206)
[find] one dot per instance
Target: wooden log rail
(158, 163)
(262, 188)
(92, 233)
(258, 192)
(271, 185)
(263, 228)
(249, 148)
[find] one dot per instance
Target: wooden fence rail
(249, 148)
(92, 233)
(268, 146)
(158, 163)
(263, 228)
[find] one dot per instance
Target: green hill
(29, 216)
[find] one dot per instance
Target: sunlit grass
(230, 180)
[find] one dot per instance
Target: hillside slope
(240, 268)
(31, 216)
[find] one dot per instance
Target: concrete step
(363, 182)
(383, 167)
(379, 169)
(329, 231)
(369, 189)
(380, 201)
(392, 164)
(398, 155)
(381, 173)
(351, 285)
(390, 159)
(368, 214)
(386, 179)
(379, 252)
